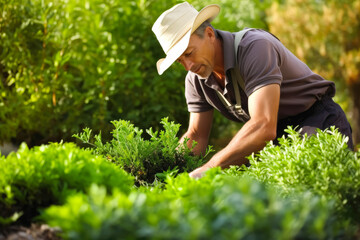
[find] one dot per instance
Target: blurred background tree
(70, 64)
(66, 65)
(326, 35)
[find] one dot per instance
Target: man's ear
(209, 32)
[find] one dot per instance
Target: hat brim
(207, 13)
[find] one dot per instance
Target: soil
(34, 232)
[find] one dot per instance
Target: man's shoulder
(254, 35)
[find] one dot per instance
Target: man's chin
(203, 75)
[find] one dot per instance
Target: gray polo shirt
(262, 60)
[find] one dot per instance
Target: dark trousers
(322, 114)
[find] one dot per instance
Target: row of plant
(36, 178)
(137, 187)
(218, 206)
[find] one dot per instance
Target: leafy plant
(37, 178)
(217, 206)
(321, 163)
(141, 157)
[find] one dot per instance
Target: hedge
(217, 206)
(36, 178)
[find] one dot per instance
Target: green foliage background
(66, 65)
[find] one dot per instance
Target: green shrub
(46, 175)
(140, 157)
(69, 64)
(215, 207)
(321, 163)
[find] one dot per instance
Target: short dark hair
(201, 29)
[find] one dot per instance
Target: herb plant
(321, 163)
(141, 157)
(37, 178)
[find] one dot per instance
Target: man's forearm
(251, 138)
(201, 143)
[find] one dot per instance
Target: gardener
(258, 82)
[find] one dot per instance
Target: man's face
(199, 56)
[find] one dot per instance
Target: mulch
(34, 232)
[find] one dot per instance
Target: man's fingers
(197, 173)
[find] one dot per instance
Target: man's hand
(199, 172)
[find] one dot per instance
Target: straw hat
(174, 27)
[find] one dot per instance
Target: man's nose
(188, 64)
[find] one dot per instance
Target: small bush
(215, 207)
(46, 175)
(140, 157)
(321, 163)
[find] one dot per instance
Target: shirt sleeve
(260, 65)
(195, 98)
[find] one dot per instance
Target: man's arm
(252, 137)
(199, 131)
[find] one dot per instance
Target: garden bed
(34, 232)
(133, 187)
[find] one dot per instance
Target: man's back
(262, 60)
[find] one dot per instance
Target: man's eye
(188, 54)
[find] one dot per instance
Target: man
(278, 89)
